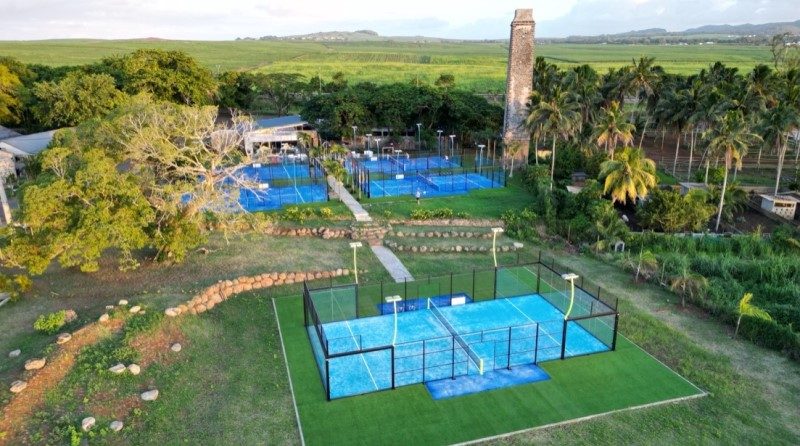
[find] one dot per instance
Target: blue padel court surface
(448, 341)
(278, 197)
(495, 379)
(431, 186)
(392, 164)
(271, 172)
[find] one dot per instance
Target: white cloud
(212, 19)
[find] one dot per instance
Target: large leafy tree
(730, 139)
(168, 75)
(557, 115)
(76, 98)
(669, 211)
(628, 177)
(80, 207)
(9, 95)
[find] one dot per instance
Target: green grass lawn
(480, 203)
(578, 387)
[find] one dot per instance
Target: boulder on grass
(150, 395)
(115, 426)
(134, 369)
(63, 338)
(14, 353)
(117, 369)
(18, 386)
(123, 302)
(88, 423)
(70, 315)
(104, 318)
(135, 309)
(35, 363)
(176, 347)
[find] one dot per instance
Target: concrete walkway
(392, 263)
(355, 207)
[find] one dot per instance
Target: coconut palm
(775, 126)
(512, 151)
(674, 110)
(612, 127)
(646, 264)
(746, 308)
(688, 284)
(630, 176)
(558, 116)
(729, 139)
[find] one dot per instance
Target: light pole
(369, 141)
(355, 246)
(571, 277)
(419, 136)
(495, 231)
(393, 300)
(378, 146)
(355, 127)
(480, 157)
(452, 145)
(439, 142)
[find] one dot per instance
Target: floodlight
(569, 276)
(356, 244)
(393, 299)
(497, 230)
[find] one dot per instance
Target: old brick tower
(519, 81)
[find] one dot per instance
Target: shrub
(326, 213)
(297, 214)
(50, 323)
(425, 214)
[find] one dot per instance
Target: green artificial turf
(578, 387)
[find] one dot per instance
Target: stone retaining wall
(325, 233)
(455, 248)
(486, 223)
(222, 290)
(441, 234)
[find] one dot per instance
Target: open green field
(477, 66)
(577, 388)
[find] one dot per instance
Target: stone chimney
(519, 81)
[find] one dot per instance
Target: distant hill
(718, 32)
(363, 35)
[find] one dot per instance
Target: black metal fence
(447, 357)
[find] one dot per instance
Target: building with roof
(6, 133)
(781, 205)
(277, 133)
(15, 150)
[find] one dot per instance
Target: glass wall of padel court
(284, 183)
(449, 326)
(429, 174)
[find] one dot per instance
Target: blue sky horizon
(213, 20)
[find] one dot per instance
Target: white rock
(176, 347)
(116, 426)
(150, 395)
(142, 312)
(123, 302)
(104, 318)
(35, 364)
(171, 312)
(87, 424)
(63, 338)
(119, 368)
(14, 353)
(135, 309)
(109, 307)
(18, 386)
(134, 369)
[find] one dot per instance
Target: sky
(458, 19)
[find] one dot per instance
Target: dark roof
(280, 122)
(27, 145)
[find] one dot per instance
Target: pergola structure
(277, 132)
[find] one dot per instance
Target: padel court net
(451, 326)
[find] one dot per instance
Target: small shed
(688, 186)
(781, 205)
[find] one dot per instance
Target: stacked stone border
(440, 234)
(222, 290)
(423, 249)
(482, 223)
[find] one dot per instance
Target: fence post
(381, 298)
(538, 275)
(495, 283)
(453, 358)
(509, 349)
(393, 367)
(564, 339)
(451, 286)
(327, 379)
(423, 360)
(473, 285)
(536, 346)
(614, 340)
(357, 313)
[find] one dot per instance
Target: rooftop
(280, 122)
(6, 133)
(27, 145)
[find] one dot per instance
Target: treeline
(37, 97)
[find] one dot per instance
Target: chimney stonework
(519, 81)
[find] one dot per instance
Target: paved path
(348, 200)
(392, 263)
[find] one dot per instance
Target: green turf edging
(579, 387)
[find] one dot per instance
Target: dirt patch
(111, 406)
(22, 405)
(154, 346)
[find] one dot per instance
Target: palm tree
(643, 79)
(557, 115)
(512, 151)
(776, 124)
(674, 109)
(646, 264)
(729, 138)
(689, 284)
(630, 176)
(746, 308)
(612, 128)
